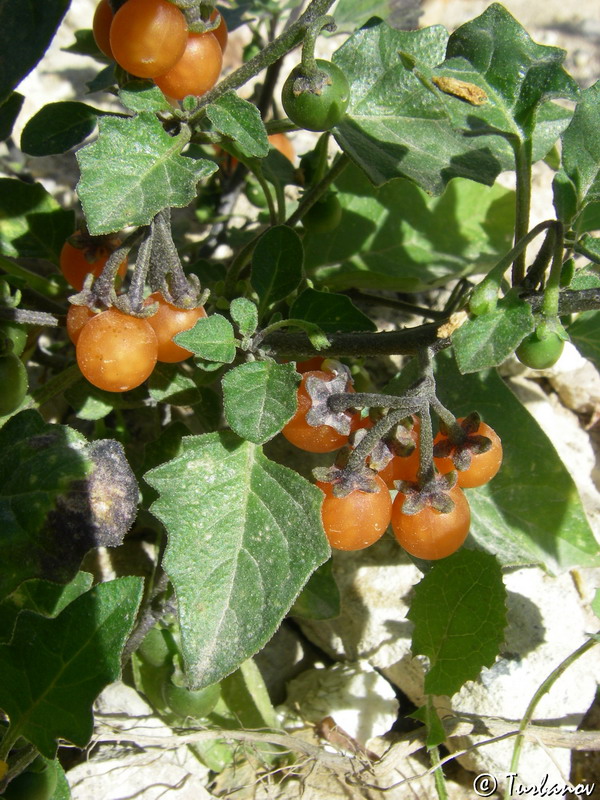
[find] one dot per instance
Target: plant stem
(26, 317)
(313, 194)
(523, 204)
(45, 286)
(438, 773)
(543, 689)
(380, 430)
(309, 65)
(552, 291)
(393, 302)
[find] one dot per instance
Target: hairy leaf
(395, 126)
(585, 335)
(244, 536)
(489, 339)
(241, 121)
(134, 170)
(459, 613)
(581, 149)
(211, 338)
(259, 398)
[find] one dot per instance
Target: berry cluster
(151, 39)
(429, 515)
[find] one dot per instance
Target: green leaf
(259, 398)
(92, 403)
(276, 265)
(595, 604)
(59, 497)
(459, 613)
(519, 74)
(57, 127)
(244, 536)
(530, 513)
(427, 714)
(27, 30)
(581, 149)
(32, 223)
(85, 45)
(399, 238)
(134, 170)
(50, 697)
(139, 95)
(211, 338)
(589, 246)
(320, 598)
(489, 339)
(241, 121)
(104, 80)
(9, 111)
(245, 314)
(168, 384)
(395, 126)
(585, 335)
(43, 597)
(331, 312)
(246, 696)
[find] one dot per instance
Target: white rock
(360, 701)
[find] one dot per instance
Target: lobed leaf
(459, 613)
(519, 74)
(244, 536)
(395, 126)
(134, 170)
(78, 653)
(259, 398)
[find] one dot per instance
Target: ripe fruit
(539, 353)
(116, 352)
(483, 466)
(319, 438)
(13, 383)
(148, 37)
(430, 534)
(322, 108)
(77, 262)
(168, 321)
(309, 365)
(196, 71)
(324, 216)
(103, 17)
(357, 520)
(77, 317)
